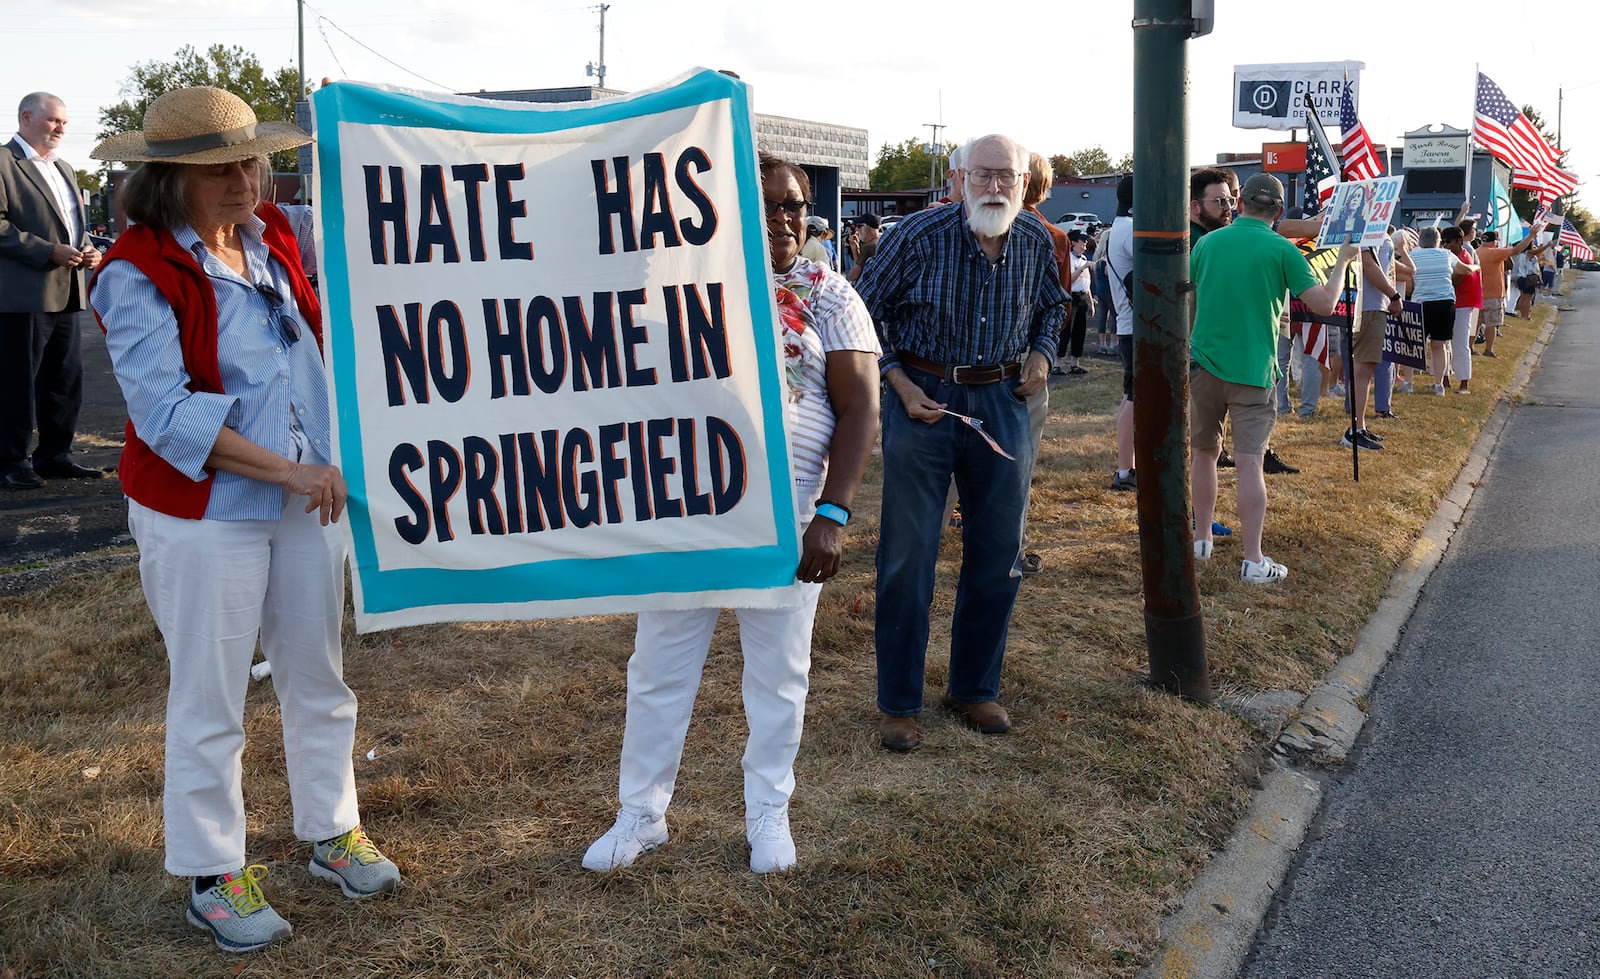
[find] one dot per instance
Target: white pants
(1461, 344)
(669, 652)
(213, 586)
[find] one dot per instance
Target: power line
(322, 19)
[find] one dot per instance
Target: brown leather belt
(963, 373)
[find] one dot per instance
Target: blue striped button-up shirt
(934, 293)
(277, 392)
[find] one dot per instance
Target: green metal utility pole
(1174, 629)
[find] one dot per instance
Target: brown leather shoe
(985, 718)
(898, 733)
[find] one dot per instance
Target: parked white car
(1078, 221)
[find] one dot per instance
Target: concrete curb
(1209, 936)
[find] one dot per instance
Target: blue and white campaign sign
(554, 353)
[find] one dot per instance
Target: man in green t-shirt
(1243, 275)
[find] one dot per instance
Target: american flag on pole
(1321, 177)
(1550, 184)
(1503, 130)
(1574, 241)
(1361, 160)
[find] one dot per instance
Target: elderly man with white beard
(968, 303)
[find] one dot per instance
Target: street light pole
(934, 153)
(1174, 628)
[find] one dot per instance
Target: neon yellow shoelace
(243, 893)
(355, 844)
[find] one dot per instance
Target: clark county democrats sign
(1274, 96)
(554, 353)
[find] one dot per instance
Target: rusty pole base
(1178, 656)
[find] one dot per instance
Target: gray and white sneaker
(355, 864)
(236, 913)
(771, 846)
(628, 838)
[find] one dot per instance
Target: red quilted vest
(146, 477)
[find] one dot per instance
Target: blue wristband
(834, 512)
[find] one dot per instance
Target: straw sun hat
(201, 126)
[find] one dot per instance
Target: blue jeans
(1383, 387)
(1280, 389)
(918, 462)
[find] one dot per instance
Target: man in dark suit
(44, 254)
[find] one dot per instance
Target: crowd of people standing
(956, 321)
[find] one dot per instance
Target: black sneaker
(1387, 414)
(1125, 484)
(1272, 465)
(1032, 564)
(1225, 461)
(1361, 439)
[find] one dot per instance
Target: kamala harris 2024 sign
(554, 353)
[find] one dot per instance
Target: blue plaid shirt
(934, 294)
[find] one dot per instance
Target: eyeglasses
(1223, 201)
(286, 324)
(791, 208)
(1007, 179)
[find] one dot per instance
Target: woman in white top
(1433, 286)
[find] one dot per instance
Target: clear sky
(1055, 75)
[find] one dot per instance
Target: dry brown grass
(1051, 852)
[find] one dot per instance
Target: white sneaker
(1202, 550)
(771, 846)
(1264, 572)
(629, 837)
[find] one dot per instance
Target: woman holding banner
(830, 352)
(215, 337)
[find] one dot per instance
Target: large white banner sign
(1274, 96)
(554, 353)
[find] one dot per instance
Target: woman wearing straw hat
(215, 336)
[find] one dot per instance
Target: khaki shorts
(1212, 399)
(1369, 338)
(1494, 313)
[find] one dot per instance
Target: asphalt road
(71, 517)
(1462, 840)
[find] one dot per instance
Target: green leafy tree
(91, 182)
(907, 166)
(1092, 160)
(272, 96)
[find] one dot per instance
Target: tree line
(910, 166)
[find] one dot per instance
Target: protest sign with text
(554, 353)
(1405, 342)
(1360, 213)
